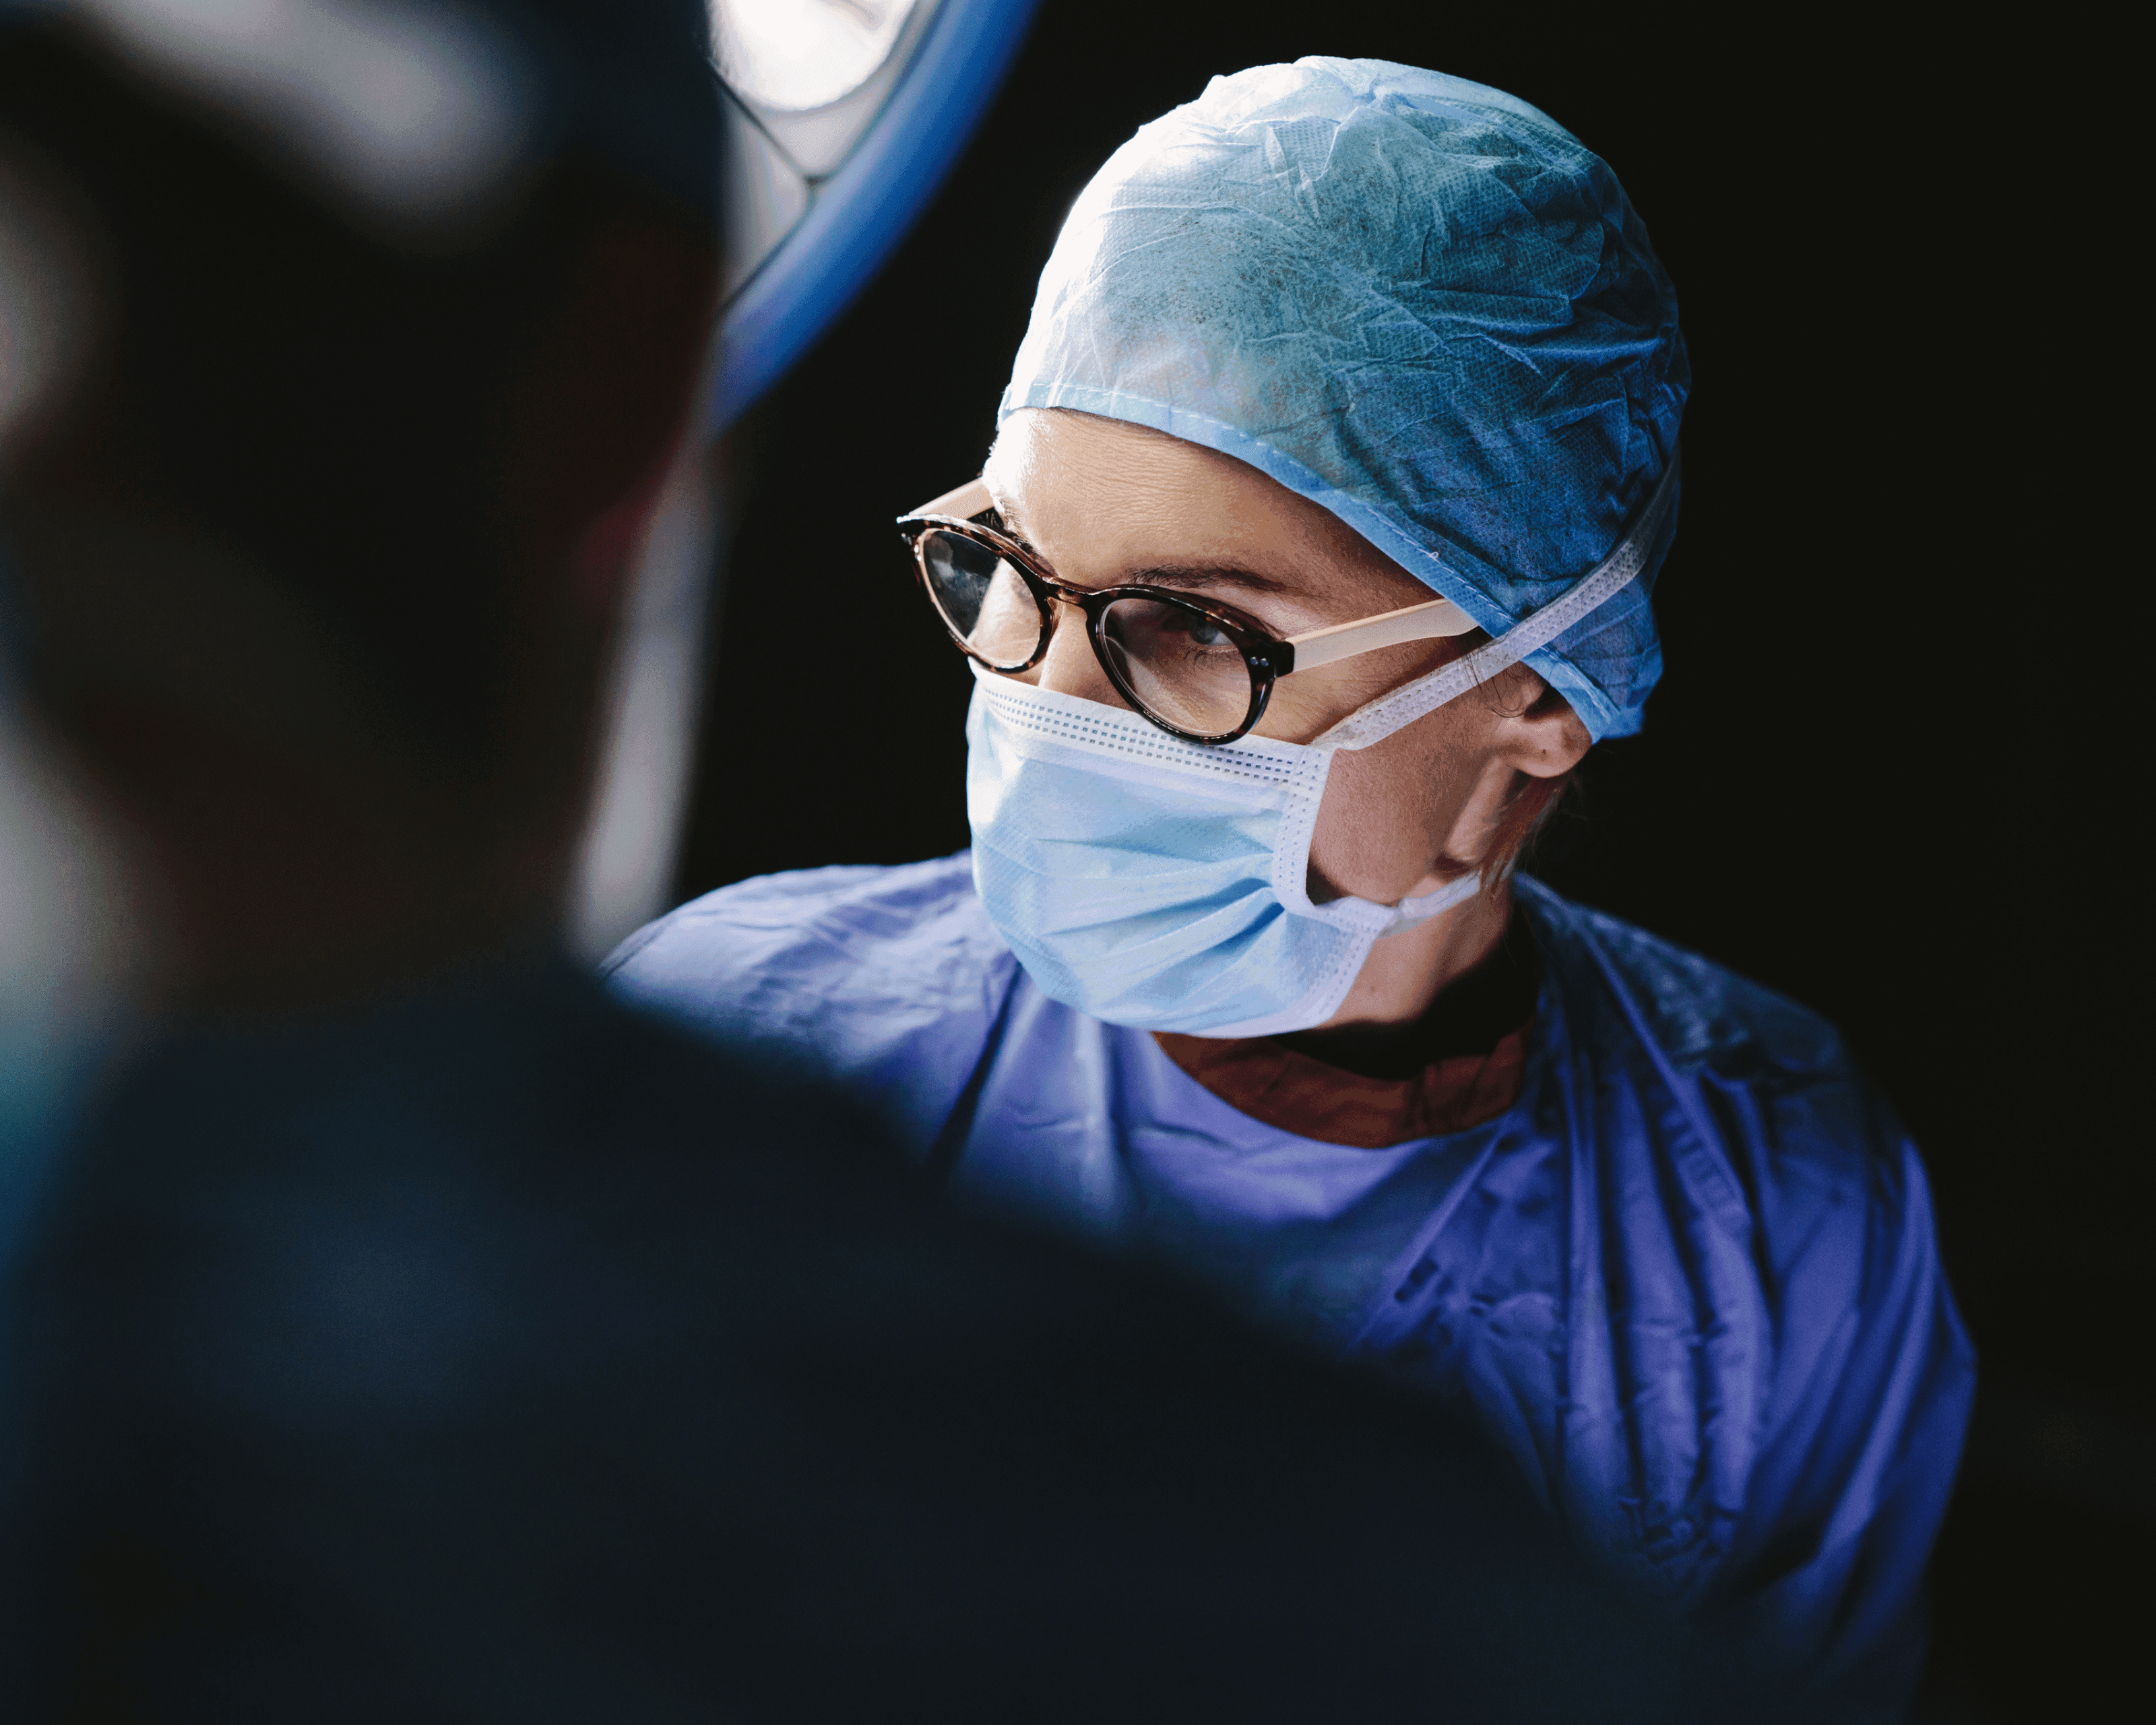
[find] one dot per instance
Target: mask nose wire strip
(1389, 713)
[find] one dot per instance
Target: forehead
(1101, 499)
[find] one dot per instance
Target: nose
(1070, 667)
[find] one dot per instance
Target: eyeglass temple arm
(1432, 620)
(969, 501)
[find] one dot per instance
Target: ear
(1547, 738)
(1543, 739)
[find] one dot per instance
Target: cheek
(1309, 703)
(1388, 810)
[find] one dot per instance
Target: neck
(1408, 970)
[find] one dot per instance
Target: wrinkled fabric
(1688, 1280)
(500, 1356)
(1417, 302)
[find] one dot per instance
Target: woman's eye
(1204, 631)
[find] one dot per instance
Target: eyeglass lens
(985, 602)
(1175, 663)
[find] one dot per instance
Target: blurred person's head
(347, 344)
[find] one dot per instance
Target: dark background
(1881, 773)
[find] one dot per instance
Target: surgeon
(1315, 549)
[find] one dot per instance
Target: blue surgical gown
(1689, 1280)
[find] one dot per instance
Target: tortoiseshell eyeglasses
(1200, 669)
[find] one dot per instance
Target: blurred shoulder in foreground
(499, 1355)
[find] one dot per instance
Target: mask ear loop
(1411, 701)
(1409, 912)
(1393, 712)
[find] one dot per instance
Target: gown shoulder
(887, 978)
(1698, 1014)
(1766, 1112)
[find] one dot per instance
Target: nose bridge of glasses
(1070, 661)
(1065, 603)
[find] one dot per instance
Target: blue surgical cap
(1415, 300)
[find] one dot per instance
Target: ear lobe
(1545, 740)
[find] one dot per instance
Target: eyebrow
(1199, 575)
(1186, 576)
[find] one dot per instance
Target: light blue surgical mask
(1164, 885)
(1159, 883)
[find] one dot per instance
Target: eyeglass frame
(1267, 656)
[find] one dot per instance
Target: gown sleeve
(1781, 1229)
(1871, 1397)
